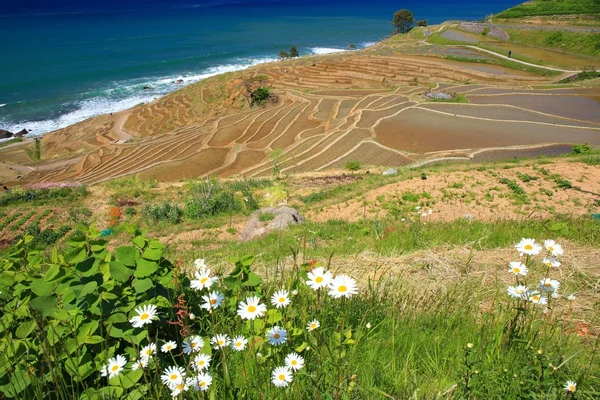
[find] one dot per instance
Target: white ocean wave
(131, 93)
(368, 44)
(326, 50)
(2, 105)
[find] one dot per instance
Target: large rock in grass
(270, 219)
(4, 134)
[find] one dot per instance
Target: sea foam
(123, 95)
(326, 50)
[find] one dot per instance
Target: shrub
(353, 165)
(554, 39)
(259, 96)
(210, 198)
(160, 212)
(314, 197)
(43, 193)
(582, 149)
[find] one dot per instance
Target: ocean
(73, 60)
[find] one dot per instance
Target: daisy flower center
(536, 297)
(294, 362)
(201, 362)
(251, 309)
(517, 270)
(551, 248)
(148, 352)
(144, 316)
(202, 384)
(547, 284)
(115, 367)
(571, 388)
(173, 377)
(276, 336)
(528, 247)
(203, 280)
(282, 299)
(180, 386)
(213, 301)
(238, 344)
(342, 289)
(220, 342)
(314, 326)
(193, 345)
(281, 377)
(319, 279)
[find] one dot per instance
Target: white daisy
(141, 363)
(294, 361)
(342, 286)
(212, 301)
(173, 376)
(570, 386)
(529, 247)
(251, 309)
(319, 278)
(148, 351)
(571, 297)
(201, 362)
(537, 298)
(280, 299)
(203, 280)
(551, 262)
(282, 376)
(170, 345)
(199, 263)
(277, 335)
(554, 248)
(518, 292)
(114, 367)
(176, 389)
(220, 341)
(239, 343)
(549, 285)
(191, 344)
(517, 268)
(312, 325)
(202, 381)
(145, 315)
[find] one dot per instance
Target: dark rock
(21, 133)
(282, 218)
(147, 88)
(4, 134)
(179, 80)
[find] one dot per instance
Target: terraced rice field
(368, 108)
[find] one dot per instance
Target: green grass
(552, 7)
(506, 64)
(10, 141)
(570, 42)
(458, 98)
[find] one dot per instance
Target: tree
(403, 20)
(283, 55)
(294, 52)
(422, 23)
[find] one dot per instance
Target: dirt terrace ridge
(360, 106)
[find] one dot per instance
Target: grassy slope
(552, 7)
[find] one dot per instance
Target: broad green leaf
(88, 288)
(95, 339)
(296, 332)
(253, 280)
(86, 330)
(53, 273)
(274, 316)
(156, 244)
(301, 348)
(142, 285)
(119, 271)
(87, 266)
(77, 256)
(20, 380)
(152, 254)
(139, 242)
(42, 288)
(144, 268)
(25, 329)
(111, 392)
(45, 305)
(127, 255)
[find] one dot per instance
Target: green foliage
(294, 52)
(314, 197)
(44, 238)
(422, 23)
(266, 217)
(65, 314)
(42, 195)
(485, 31)
(526, 177)
(513, 186)
(211, 198)
(165, 211)
(582, 149)
(353, 165)
(583, 43)
(132, 186)
(282, 55)
(403, 20)
(10, 141)
(554, 38)
(259, 96)
(552, 7)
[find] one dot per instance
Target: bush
(160, 212)
(211, 198)
(43, 193)
(259, 96)
(353, 165)
(314, 197)
(554, 39)
(582, 149)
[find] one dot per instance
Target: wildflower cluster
(203, 355)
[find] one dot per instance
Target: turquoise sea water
(62, 65)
